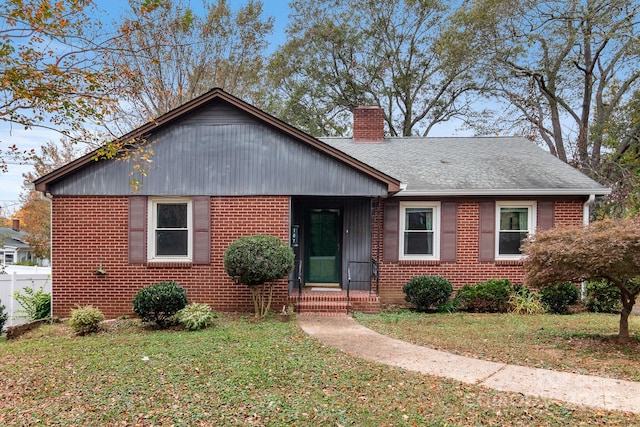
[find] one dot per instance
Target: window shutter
(448, 231)
(201, 230)
(137, 229)
(545, 215)
(391, 232)
(487, 223)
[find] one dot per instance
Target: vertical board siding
(215, 153)
(357, 243)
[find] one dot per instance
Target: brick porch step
(334, 303)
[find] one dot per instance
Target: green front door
(322, 247)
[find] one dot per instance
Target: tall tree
(341, 54)
(559, 69)
(52, 74)
(171, 53)
(621, 159)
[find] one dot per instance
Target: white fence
(12, 282)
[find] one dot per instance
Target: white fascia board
(507, 192)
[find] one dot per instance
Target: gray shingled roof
(10, 237)
(470, 166)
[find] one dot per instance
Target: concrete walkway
(346, 334)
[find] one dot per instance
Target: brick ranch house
(363, 214)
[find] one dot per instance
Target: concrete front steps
(324, 302)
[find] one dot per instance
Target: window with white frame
(170, 230)
(419, 230)
(515, 221)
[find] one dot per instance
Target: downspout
(585, 221)
(585, 209)
(49, 198)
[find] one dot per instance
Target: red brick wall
(467, 269)
(92, 231)
(368, 124)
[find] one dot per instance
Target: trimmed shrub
(603, 297)
(427, 292)
(491, 296)
(4, 316)
(159, 302)
(558, 297)
(85, 320)
(36, 305)
(196, 316)
(257, 261)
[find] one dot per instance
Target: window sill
(419, 262)
(169, 264)
(509, 262)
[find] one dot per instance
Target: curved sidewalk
(346, 334)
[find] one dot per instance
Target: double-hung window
(515, 221)
(170, 230)
(419, 230)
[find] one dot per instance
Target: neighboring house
(13, 248)
(364, 214)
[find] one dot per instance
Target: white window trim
(151, 230)
(532, 206)
(436, 230)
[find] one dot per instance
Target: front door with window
(322, 248)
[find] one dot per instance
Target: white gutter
(504, 192)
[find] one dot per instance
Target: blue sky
(11, 182)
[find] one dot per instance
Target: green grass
(242, 373)
(584, 343)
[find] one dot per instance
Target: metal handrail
(373, 274)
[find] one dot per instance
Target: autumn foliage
(608, 249)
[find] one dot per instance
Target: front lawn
(241, 373)
(584, 343)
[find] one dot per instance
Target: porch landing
(333, 302)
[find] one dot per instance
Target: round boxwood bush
(603, 297)
(558, 297)
(85, 320)
(427, 292)
(257, 259)
(159, 302)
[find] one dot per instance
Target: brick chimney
(368, 125)
(15, 224)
